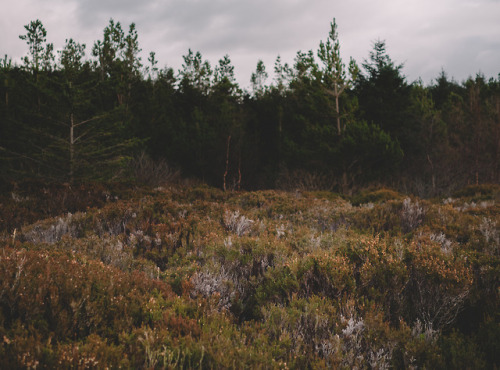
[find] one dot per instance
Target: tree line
(76, 115)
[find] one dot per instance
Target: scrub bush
(194, 277)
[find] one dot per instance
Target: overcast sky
(460, 36)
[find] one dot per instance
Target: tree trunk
(227, 163)
(239, 172)
(71, 149)
(433, 175)
(337, 109)
(6, 83)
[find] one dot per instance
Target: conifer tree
(282, 76)
(195, 73)
(334, 74)
(384, 96)
(40, 53)
(258, 79)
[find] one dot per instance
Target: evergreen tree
(258, 79)
(227, 122)
(34, 99)
(334, 74)
(7, 129)
(441, 90)
(118, 63)
(480, 129)
(195, 73)
(432, 158)
(94, 141)
(282, 76)
(384, 97)
(193, 128)
(366, 153)
(40, 52)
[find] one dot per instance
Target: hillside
(96, 276)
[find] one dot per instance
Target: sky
(461, 37)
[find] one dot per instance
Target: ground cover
(102, 276)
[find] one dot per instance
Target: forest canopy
(89, 112)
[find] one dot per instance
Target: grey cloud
(457, 35)
(219, 24)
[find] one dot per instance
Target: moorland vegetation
(191, 276)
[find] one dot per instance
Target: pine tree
(384, 97)
(334, 74)
(258, 79)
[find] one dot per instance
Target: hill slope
(188, 277)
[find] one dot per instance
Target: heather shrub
(417, 347)
(278, 287)
(91, 352)
(53, 230)
(490, 231)
(412, 215)
(375, 196)
(483, 300)
(283, 205)
(306, 181)
(304, 329)
(28, 202)
(153, 173)
(88, 302)
(318, 327)
(233, 274)
(438, 286)
(393, 216)
(326, 216)
(228, 344)
(323, 194)
(324, 274)
(367, 341)
(383, 275)
(488, 340)
(237, 224)
(478, 193)
(461, 352)
(194, 277)
(111, 250)
(381, 218)
(94, 298)
(455, 225)
(202, 192)
(248, 201)
(446, 244)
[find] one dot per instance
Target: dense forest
(321, 123)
